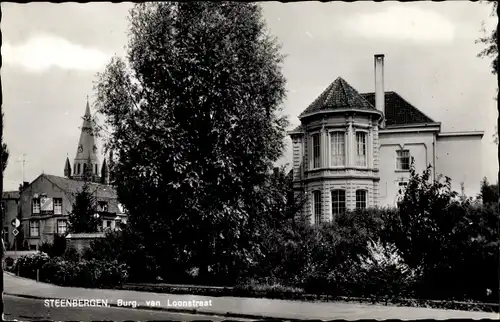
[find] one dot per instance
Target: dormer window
(316, 150)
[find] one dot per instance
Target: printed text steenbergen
(76, 303)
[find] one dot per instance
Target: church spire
(86, 159)
(67, 168)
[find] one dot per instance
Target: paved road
(34, 310)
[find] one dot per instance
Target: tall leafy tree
(193, 117)
(489, 192)
(491, 51)
(82, 218)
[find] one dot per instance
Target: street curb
(173, 310)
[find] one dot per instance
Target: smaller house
(46, 203)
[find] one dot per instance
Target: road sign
(15, 232)
(15, 222)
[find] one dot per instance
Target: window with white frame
(62, 226)
(317, 206)
(34, 228)
(57, 206)
(403, 160)
(337, 142)
(361, 149)
(360, 199)
(338, 202)
(316, 150)
(35, 205)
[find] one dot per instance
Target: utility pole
(23, 164)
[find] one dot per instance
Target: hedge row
(65, 271)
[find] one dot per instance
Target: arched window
(317, 207)
(361, 199)
(84, 168)
(74, 168)
(95, 169)
(338, 202)
(78, 172)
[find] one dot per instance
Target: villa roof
(399, 111)
(339, 95)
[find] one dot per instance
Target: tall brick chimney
(379, 86)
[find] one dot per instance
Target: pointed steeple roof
(67, 168)
(339, 95)
(87, 147)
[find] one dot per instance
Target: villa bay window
(338, 202)
(317, 207)
(337, 142)
(361, 199)
(316, 145)
(361, 157)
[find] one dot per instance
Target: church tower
(86, 164)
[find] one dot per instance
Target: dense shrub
(254, 288)
(28, 265)
(55, 248)
(453, 240)
(85, 273)
(71, 254)
(140, 267)
(59, 271)
(383, 273)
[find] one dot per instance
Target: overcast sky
(51, 53)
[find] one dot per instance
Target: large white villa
(353, 150)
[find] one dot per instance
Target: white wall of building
(459, 156)
(421, 148)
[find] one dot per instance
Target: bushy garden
(61, 265)
(435, 245)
